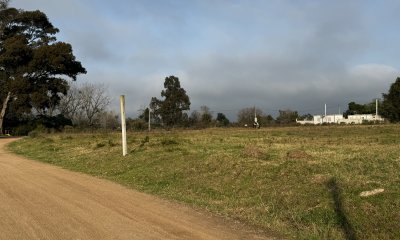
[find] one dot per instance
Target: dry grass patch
(298, 155)
(252, 151)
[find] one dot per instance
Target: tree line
(173, 111)
(38, 74)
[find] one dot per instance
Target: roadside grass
(299, 182)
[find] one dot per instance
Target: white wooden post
(123, 125)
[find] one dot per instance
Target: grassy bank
(302, 182)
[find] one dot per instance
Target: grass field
(299, 182)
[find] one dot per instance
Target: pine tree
(391, 102)
(33, 65)
(176, 101)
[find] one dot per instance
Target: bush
(39, 130)
(54, 122)
(137, 125)
(99, 145)
(34, 134)
(168, 142)
(111, 143)
(23, 130)
(22, 126)
(144, 141)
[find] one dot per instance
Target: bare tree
(195, 118)
(206, 116)
(246, 115)
(109, 120)
(94, 101)
(71, 104)
(85, 103)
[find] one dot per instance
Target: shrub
(144, 141)
(168, 142)
(111, 143)
(23, 130)
(99, 145)
(34, 134)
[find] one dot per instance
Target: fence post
(123, 124)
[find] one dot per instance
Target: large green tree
(391, 102)
(287, 116)
(355, 108)
(172, 108)
(222, 120)
(34, 66)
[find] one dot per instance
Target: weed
(252, 151)
(34, 134)
(48, 140)
(166, 142)
(111, 143)
(144, 141)
(268, 156)
(297, 154)
(68, 137)
(99, 145)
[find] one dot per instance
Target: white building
(320, 119)
(334, 118)
(360, 118)
(339, 119)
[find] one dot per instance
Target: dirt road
(40, 201)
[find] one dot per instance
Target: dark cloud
(234, 54)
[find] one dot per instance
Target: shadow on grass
(346, 226)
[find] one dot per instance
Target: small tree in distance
(194, 118)
(222, 120)
(287, 116)
(206, 116)
(176, 101)
(246, 115)
(306, 116)
(85, 103)
(144, 114)
(355, 108)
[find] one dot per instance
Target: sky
(232, 54)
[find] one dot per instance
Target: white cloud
(374, 72)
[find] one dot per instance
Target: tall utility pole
(123, 125)
(255, 124)
(376, 107)
(255, 114)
